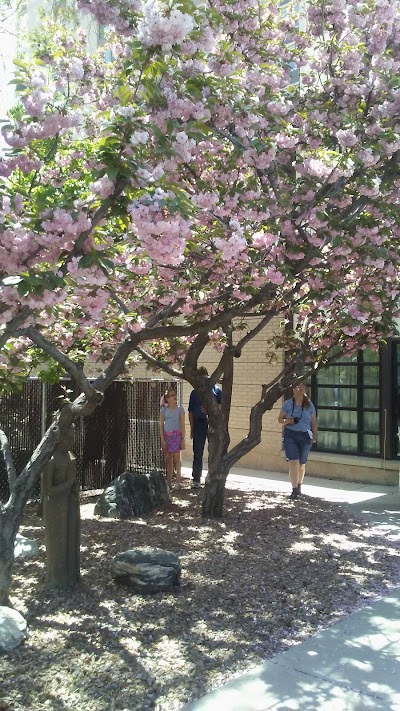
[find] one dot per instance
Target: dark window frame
(361, 363)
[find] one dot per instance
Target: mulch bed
(268, 575)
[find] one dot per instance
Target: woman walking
(298, 416)
(172, 433)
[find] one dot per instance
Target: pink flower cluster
(164, 27)
(103, 187)
(258, 164)
(160, 234)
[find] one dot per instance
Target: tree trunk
(7, 539)
(12, 511)
(213, 501)
(218, 470)
(220, 461)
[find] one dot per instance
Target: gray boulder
(133, 494)
(147, 569)
(13, 629)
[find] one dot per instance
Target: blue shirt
(303, 413)
(195, 404)
(172, 418)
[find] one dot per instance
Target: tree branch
(269, 395)
(159, 363)
(116, 366)
(13, 325)
(193, 354)
(74, 371)
(164, 313)
(257, 329)
(97, 217)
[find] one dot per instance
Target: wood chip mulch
(268, 575)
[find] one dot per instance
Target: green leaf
(112, 172)
(124, 93)
(86, 261)
(23, 288)
(20, 63)
(105, 263)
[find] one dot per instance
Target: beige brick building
(251, 371)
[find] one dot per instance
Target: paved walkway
(354, 665)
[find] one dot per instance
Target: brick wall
(250, 372)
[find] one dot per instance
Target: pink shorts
(173, 440)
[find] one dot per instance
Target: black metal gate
(121, 434)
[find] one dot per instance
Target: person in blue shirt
(299, 419)
(199, 429)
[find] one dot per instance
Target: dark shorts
(297, 445)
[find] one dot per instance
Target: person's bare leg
(170, 467)
(178, 467)
(294, 466)
(302, 471)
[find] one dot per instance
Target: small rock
(24, 547)
(13, 629)
(147, 569)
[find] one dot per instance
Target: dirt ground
(269, 574)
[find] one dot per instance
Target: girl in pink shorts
(172, 433)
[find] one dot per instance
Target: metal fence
(121, 434)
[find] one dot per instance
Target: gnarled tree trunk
(8, 533)
(22, 485)
(218, 469)
(220, 460)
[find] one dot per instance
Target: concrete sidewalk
(351, 666)
(354, 665)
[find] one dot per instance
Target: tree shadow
(266, 576)
(352, 664)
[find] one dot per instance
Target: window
(347, 397)
(392, 413)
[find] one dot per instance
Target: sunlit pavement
(328, 489)
(351, 666)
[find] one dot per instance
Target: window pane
(371, 398)
(348, 419)
(338, 441)
(370, 356)
(337, 397)
(371, 444)
(338, 375)
(371, 421)
(348, 442)
(327, 440)
(338, 419)
(328, 418)
(350, 359)
(371, 374)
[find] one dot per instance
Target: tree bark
(214, 490)
(21, 488)
(218, 470)
(220, 460)
(8, 532)
(61, 511)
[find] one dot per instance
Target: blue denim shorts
(297, 445)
